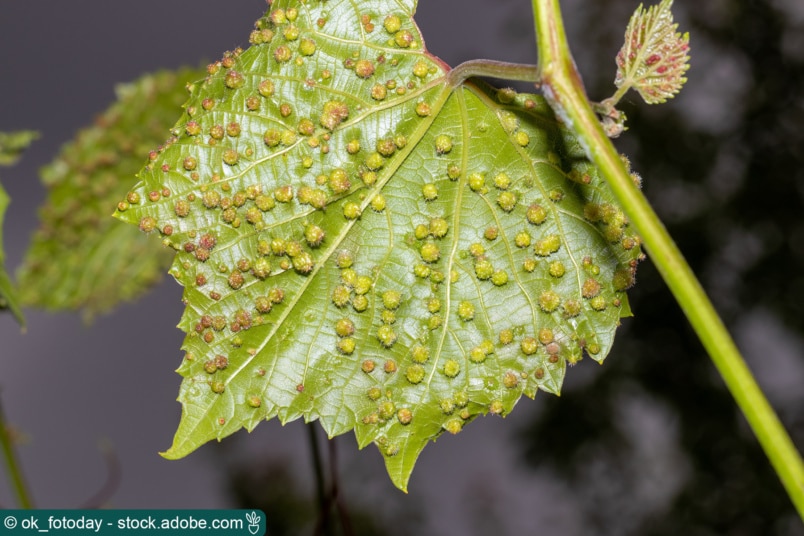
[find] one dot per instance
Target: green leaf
(80, 258)
(363, 244)
(11, 146)
(655, 56)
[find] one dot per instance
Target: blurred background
(649, 444)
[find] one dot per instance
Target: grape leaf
(79, 258)
(364, 244)
(655, 56)
(11, 146)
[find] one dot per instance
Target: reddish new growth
(655, 56)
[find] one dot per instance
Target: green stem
(13, 465)
(563, 88)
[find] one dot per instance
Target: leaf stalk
(493, 69)
(13, 464)
(563, 88)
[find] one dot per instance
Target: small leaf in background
(363, 244)
(11, 146)
(654, 57)
(80, 257)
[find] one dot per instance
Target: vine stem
(563, 88)
(13, 465)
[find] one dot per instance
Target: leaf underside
(11, 146)
(363, 244)
(79, 258)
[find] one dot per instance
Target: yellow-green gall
(415, 373)
(506, 336)
(484, 269)
(547, 245)
(391, 299)
(230, 156)
(590, 288)
(529, 265)
(598, 303)
(549, 301)
(423, 109)
(282, 54)
(374, 393)
(307, 47)
(453, 426)
(477, 182)
(571, 308)
(451, 368)
(362, 285)
(344, 328)
(507, 201)
(364, 68)
(340, 296)
(506, 95)
(522, 239)
(346, 345)
(182, 208)
(306, 127)
(420, 69)
(491, 233)
(496, 407)
(447, 405)
(375, 161)
(466, 311)
(403, 39)
(392, 24)
(303, 263)
(386, 335)
(477, 355)
(430, 252)
(284, 194)
(430, 192)
(333, 114)
(378, 92)
(453, 172)
(529, 345)
(386, 410)
(314, 235)
(351, 210)
(521, 138)
(556, 269)
(378, 203)
(443, 144)
(499, 278)
(502, 181)
(421, 271)
(261, 268)
(439, 227)
(536, 214)
(339, 181)
(421, 231)
(360, 303)
(433, 305)
(510, 380)
(420, 354)
(477, 250)
(546, 336)
(404, 416)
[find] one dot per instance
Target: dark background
(650, 443)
